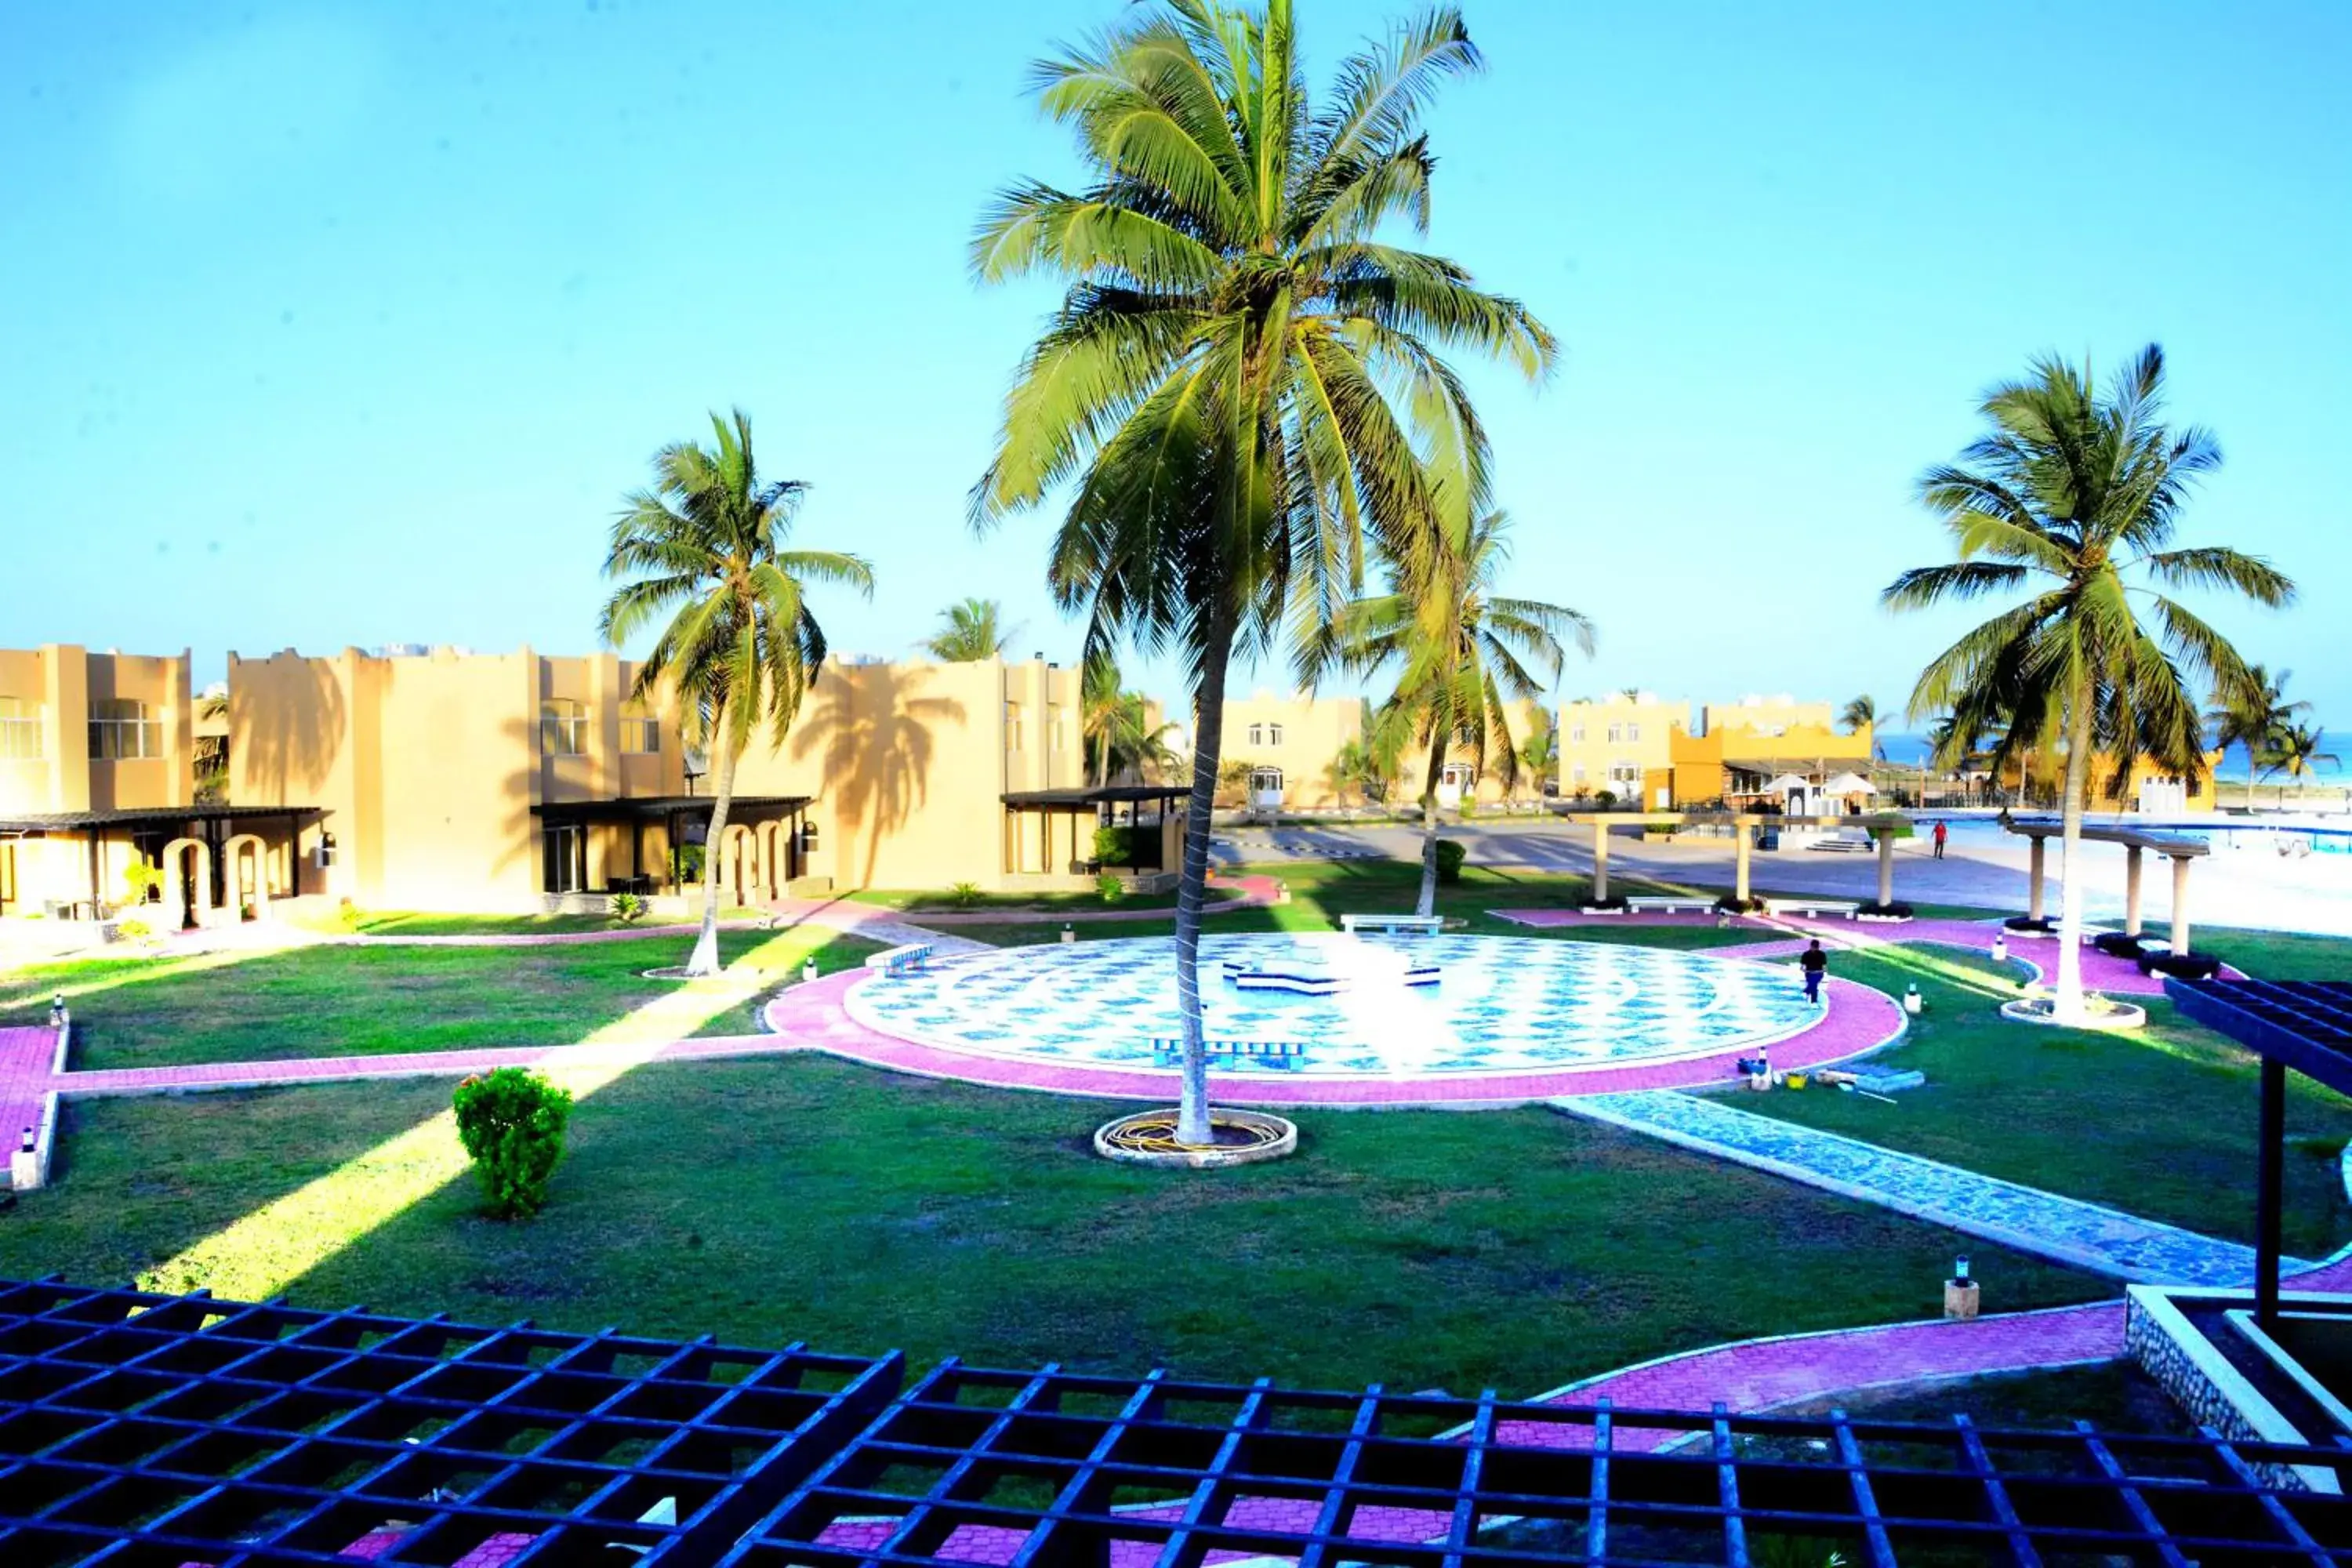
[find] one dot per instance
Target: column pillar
(1885, 868)
(2180, 903)
(2039, 864)
(2131, 890)
(1740, 861)
(1599, 859)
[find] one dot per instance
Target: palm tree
(1116, 725)
(1460, 653)
(1241, 365)
(706, 548)
(2075, 497)
(2253, 714)
(2295, 751)
(1539, 754)
(972, 631)
(1859, 713)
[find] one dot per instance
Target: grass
(935, 901)
(771, 1200)
(337, 1001)
(2158, 1121)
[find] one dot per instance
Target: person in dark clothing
(1942, 833)
(1815, 964)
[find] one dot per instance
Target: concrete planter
(2038, 1010)
(1148, 1138)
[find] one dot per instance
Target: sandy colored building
(520, 781)
(1471, 777)
(98, 774)
(1614, 743)
(1289, 745)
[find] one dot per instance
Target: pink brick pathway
(26, 1057)
(1858, 1019)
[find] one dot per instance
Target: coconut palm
(2074, 497)
(1859, 713)
(705, 548)
(1539, 754)
(1116, 725)
(969, 632)
(1461, 654)
(2296, 752)
(2253, 714)
(1232, 388)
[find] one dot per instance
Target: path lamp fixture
(1911, 1006)
(58, 1011)
(1069, 932)
(808, 973)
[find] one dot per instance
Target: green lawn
(2158, 1122)
(937, 901)
(332, 1000)
(406, 922)
(802, 1197)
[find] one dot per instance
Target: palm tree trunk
(722, 795)
(1193, 1124)
(2067, 1003)
(1427, 903)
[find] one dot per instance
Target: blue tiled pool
(1502, 1004)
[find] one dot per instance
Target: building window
(1274, 734)
(120, 727)
(1579, 776)
(1625, 773)
(1266, 781)
(20, 731)
(564, 844)
(1632, 732)
(563, 727)
(1257, 735)
(1576, 734)
(1053, 728)
(1012, 726)
(640, 735)
(1616, 733)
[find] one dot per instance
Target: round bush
(2185, 965)
(2026, 922)
(1450, 855)
(511, 1123)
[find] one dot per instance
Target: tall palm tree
(1116, 724)
(2074, 497)
(706, 548)
(1859, 713)
(1358, 766)
(2296, 752)
(2254, 713)
(1539, 754)
(970, 631)
(1460, 653)
(1243, 363)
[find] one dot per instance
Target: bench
(898, 962)
(1287, 1055)
(1395, 925)
(1849, 908)
(1661, 905)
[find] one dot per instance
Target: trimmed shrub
(1605, 798)
(1121, 846)
(134, 930)
(2026, 922)
(1450, 855)
(1109, 888)
(2118, 945)
(964, 895)
(1731, 906)
(1613, 901)
(511, 1123)
(2185, 965)
(1897, 911)
(628, 909)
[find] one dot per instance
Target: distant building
(1286, 747)
(1616, 743)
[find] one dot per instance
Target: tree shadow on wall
(871, 732)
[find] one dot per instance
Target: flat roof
(133, 816)
(659, 807)
(2112, 833)
(1107, 794)
(2305, 1024)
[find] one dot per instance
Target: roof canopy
(1849, 783)
(146, 816)
(1107, 794)
(669, 807)
(2175, 844)
(2306, 1024)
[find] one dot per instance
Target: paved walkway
(2086, 1236)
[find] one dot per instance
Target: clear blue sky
(347, 324)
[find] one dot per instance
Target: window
(640, 735)
(1576, 734)
(1274, 734)
(20, 731)
(563, 728)
(1632, 732)
(120, 727)
(1579, 776)
(1053, 728)
(1616, 733)
(1012, 726)
(1257, 735)
(565, 843)
(1625, 773)
(1266, 781)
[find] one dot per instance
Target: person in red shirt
(1942, 833)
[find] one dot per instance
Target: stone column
(1739, 831)
(1885, 868)
(2131, 890)
(2040, 869)
(2180, 903)
(1599, 859)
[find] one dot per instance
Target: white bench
(1287, 1055)
(898, 962)
(1395, 925)
(1663, 905)
(1849, 908)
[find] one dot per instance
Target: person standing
(1815, 964)
(1942, 833)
